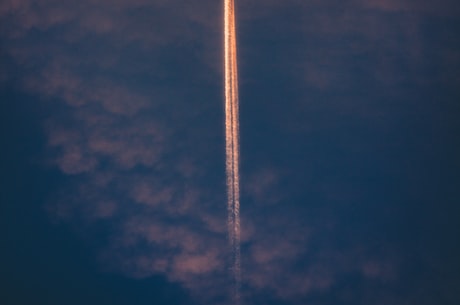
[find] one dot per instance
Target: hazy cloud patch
(147, 156)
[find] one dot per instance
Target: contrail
(232, 142)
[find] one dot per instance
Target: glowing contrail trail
(232, 142)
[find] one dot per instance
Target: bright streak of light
(232, 142)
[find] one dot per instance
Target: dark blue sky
(112, 167)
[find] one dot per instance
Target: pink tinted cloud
(196, 264)
(261, 183)
(57, 80)
(140, 171)
(145, 193)
(73, 158)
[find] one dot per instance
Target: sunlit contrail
(232, 142)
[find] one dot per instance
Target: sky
(113, 185)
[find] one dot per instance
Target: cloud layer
(136, 127)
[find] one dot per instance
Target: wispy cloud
(137, 128)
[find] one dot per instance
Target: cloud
(134, 88)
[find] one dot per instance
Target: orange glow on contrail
(232, 141)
